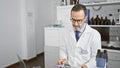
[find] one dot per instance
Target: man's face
(78, 18)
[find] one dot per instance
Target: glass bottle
(108, 22)
(77, 1)
(101, 21)
(92, 21)
(105, 21)
(113, 22)
(71, 2)
(97, 20)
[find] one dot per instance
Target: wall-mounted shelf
(102, 3)
(105, 25)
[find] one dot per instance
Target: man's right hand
(62, 61)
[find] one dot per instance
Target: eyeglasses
(77, 20)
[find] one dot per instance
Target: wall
(45, 15)
(18, 18)
(17, 34)
(105, 11)
(10, 31)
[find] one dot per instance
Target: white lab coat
(81, 52)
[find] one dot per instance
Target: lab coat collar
(82, 29)
(86, 31)
(81, 42)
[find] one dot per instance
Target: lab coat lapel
(83, 41)
(72, 34)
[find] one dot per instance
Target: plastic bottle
(101, 63)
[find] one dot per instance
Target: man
(81, 42)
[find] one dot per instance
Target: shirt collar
(82, 29)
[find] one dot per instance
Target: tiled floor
(38, 61)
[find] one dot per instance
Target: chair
(22, 63)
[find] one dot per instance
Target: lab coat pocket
(83, 45)
(85, 54)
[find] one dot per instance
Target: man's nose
(76, 23)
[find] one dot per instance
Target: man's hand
(62, 61)
(84, 66)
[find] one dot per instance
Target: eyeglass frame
(78, 21)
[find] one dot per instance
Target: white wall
(23, 21)
(105, 11)
(45, 15)
(10, 31)
(17, 33)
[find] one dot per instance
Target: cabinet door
(51, 36)
(113, 64)
(112, 55)
(54, 36)
(113, 59)
(51, 56)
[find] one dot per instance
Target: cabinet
(113, 59)
(53, 39)
(51, 56)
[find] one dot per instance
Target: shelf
(105, 25)
(102, 3)
(96, 4)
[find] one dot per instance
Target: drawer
(51, 60)
(113, 64)
(113, 55)
(53, 36)
(51, 49)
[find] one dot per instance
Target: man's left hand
(84, 66)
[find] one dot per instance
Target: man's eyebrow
(77, 19)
